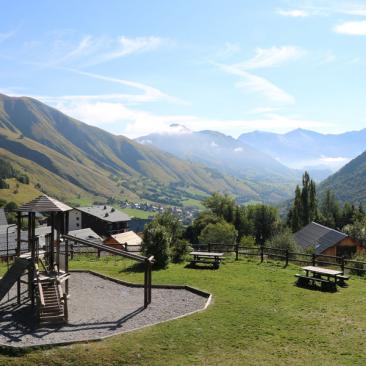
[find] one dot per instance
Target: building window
(78, 218)
(77, 224)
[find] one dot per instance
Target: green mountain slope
(349, 183)
(69, 158)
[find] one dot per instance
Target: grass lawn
(140, 214)
(258, 317)
(192, 202)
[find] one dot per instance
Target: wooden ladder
(51, 307)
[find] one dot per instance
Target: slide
(12, 275)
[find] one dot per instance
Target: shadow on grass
(200, 267)
(315, 288)
(139, 268)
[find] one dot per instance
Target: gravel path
(97, 308)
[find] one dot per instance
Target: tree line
(225, 222)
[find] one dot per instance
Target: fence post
(262, 252)
(342, 264)
(286, 259)
(313, 259)
(98, 253)
(209, 247)
(237, 251)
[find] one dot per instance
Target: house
(129, 241)
(327, 241)
(104, 220)
(3, 219)
(8, 239)
(85, 234)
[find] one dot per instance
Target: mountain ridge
(43, 142)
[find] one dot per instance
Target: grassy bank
(257, 317)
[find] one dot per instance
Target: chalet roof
(3, 219)
(105, 213)
(44, 203)
(319, 236)
(129, 237)
(12, 238)
(86, 234)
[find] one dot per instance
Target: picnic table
(328, 278)
(213, 258)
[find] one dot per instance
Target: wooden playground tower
(39, 268)
(45, 277)
(46, 268)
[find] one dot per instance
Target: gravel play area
(98, 308)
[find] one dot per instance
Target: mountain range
(68, 158)
(304, 149)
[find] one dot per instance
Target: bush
(248, 242)
(283, 240)
(3, 184)
(156, 242)
(179, 250)
(219, 233)
(358, 268)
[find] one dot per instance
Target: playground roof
(44, 203)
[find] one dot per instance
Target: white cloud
(357, 28)
(296, 13)
(93, 50)
(5, 36)
(258, 84)
(148, 93)
(238, 149)
(122, 119)
(264, 58)
(229, 50)
(125, 46)
(271, 57)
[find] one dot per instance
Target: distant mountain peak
(176, 128)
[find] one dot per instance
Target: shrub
(179, 250)
(219, 233)
(156, 242)
(283, 240)
(248, 241)
(358, 268)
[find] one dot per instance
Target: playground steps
(53, 309)
(13, 274)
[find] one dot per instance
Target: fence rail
(345, 264)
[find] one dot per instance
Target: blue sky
(135, 67)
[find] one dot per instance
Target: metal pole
(7, 244)
(19, 222)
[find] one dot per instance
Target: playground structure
(45, 271)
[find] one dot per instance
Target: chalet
(327, 241)
(3, 219)
(104, 220)
(85, 234)
(129, 241)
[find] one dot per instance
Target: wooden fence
(262, 252)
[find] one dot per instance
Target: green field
(18, 192)
(258, 317)
(193, 203)
(140, 214)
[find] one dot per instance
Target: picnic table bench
(328, 278)
(213, 258)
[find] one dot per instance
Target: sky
(136, 67)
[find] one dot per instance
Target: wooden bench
(304, 281)
(341, 280)
(207, 258)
